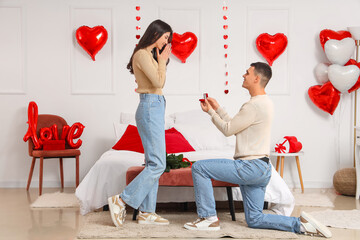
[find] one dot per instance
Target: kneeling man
(251, 168)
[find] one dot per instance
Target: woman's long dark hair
(154, 31)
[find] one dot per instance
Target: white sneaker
(151, 218)
(313, 227)
(117, 210)
(203, 224)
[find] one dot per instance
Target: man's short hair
(264, 70)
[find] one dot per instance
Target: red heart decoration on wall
(183, 45)
(91, 39)
(328, 34)
(325, 97)
(271, 46)
(357, 84)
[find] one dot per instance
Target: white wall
(40, 61)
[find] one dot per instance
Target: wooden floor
(18, 221)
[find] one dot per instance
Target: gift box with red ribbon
(289, 144)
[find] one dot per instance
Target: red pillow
(175, 142)
(131, 141)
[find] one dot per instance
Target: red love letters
(51, 133)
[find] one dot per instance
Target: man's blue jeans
(252, 177)
(141, 193)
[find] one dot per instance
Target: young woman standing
(148, 64)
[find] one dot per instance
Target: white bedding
(108, 175)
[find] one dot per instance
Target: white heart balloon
(339, 51)
(343, 77)
(321, 72)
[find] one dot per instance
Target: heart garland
(91, 39)
(271, 46)
(183, 45)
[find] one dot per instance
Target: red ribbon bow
(280, 148)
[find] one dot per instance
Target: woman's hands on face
(165, 54)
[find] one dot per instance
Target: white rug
(349, 219)
(56, 200)
(99, 225)
(313, 199)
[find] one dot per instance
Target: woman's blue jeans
(141, 193)
(252, 177)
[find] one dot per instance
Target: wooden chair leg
(31, 173)
(231, 203)
(299, 170)
(282, 166)
(77, 171)
(277, 163)
(61, 173)
(41, 175)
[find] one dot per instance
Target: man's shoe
(203, 224)
(151, 218)
(117, 210)
(313, 227)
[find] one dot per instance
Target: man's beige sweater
(251, 126)
(149, 74)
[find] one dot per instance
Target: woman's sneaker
(313, 227)
(151, 218)
(117, 210)
(203, 224)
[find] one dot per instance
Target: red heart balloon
(325, 97)
(271, 46)
(357, 84)
(183, 45)
(328, 34)
(91, 39)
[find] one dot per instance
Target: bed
(107, 177)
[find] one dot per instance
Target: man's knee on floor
(254, 221)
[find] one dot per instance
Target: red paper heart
(325, 97)
(225, 17)
(271, 46)
(183, 45)
(328, 34)
(225, 27)
(226, 91)
(226, 46)
(357, 84)
(138, 18)
(226, 37)
(137, 8)
(91, 39)
(137, 36)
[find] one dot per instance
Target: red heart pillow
(176, 143)
(131, 141)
